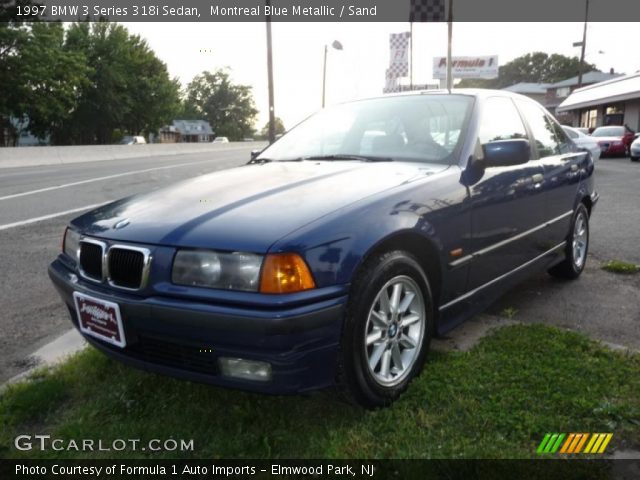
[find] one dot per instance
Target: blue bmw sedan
(338, 252)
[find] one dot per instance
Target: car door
(506, 202)
(561, 161)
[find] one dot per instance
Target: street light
(338, 46)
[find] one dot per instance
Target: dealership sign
(466, 67)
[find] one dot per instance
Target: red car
(613, 140)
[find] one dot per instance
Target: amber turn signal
(285, 273)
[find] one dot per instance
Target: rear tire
(388, 327)
(577, 246)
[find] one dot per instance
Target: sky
(358, 70)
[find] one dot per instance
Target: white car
(634, 150)
(220, 140)
(583, 141)
(133, 140)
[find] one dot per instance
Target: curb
(53, 353)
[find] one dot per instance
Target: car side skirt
(461, 308)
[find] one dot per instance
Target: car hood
(247, 208)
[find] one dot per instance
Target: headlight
(229, 271)
(71, 244)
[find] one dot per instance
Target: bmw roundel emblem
(121, 224)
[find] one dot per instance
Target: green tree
(40, 80)
(229, 108)
(536, 67)
(279, 128)
(129, 89)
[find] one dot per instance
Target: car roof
(473, 92)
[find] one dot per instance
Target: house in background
(613, 102)
(558, 92)
(535, 91)
(186, 131)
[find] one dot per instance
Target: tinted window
(424, 128)
(500, 121)
(561, 136)
(543, 129)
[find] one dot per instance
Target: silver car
(583, 141)
(634, 150)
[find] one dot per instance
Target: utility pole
(449, 37)
(411, 56)
(324, 74)
(272, 114)
(584, 44)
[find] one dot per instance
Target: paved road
(604, 305)
(31, 313)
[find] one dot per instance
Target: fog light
(247, 369)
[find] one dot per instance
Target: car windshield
(417, 128)
(608, 132)
(126, 140)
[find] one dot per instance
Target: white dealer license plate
(100, 319)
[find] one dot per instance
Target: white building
(614, 102)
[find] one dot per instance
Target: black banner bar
(326, 10)
(117, 469)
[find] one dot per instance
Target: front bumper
(183, 338)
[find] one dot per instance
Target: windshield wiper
(269, 160)
(339, 156)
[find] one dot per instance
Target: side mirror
(505, 153)
(255, 153)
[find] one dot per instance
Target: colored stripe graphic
(543, 443)
(581, 443)
(574, 443)
(550, 443)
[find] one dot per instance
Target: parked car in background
(132, 140)
(634, 151)
(584, 130)
(334, 256)
(220, 140)
(583, 141)
(613, 140)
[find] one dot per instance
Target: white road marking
(7, 226)
(99, 179)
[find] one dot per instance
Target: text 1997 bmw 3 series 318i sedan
(339, 251)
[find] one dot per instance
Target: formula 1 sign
(466, 67)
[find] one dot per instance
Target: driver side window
(500, 121)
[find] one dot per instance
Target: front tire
(577, 246)
(388, 327)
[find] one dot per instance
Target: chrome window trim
(468, 258)
(501, 277)
(103, 246)
(146, 266)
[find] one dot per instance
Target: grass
(618, 266)
(509, 312)
(495, 401)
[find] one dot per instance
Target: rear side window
(561, 136)
(543, 129)
(500, 121)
